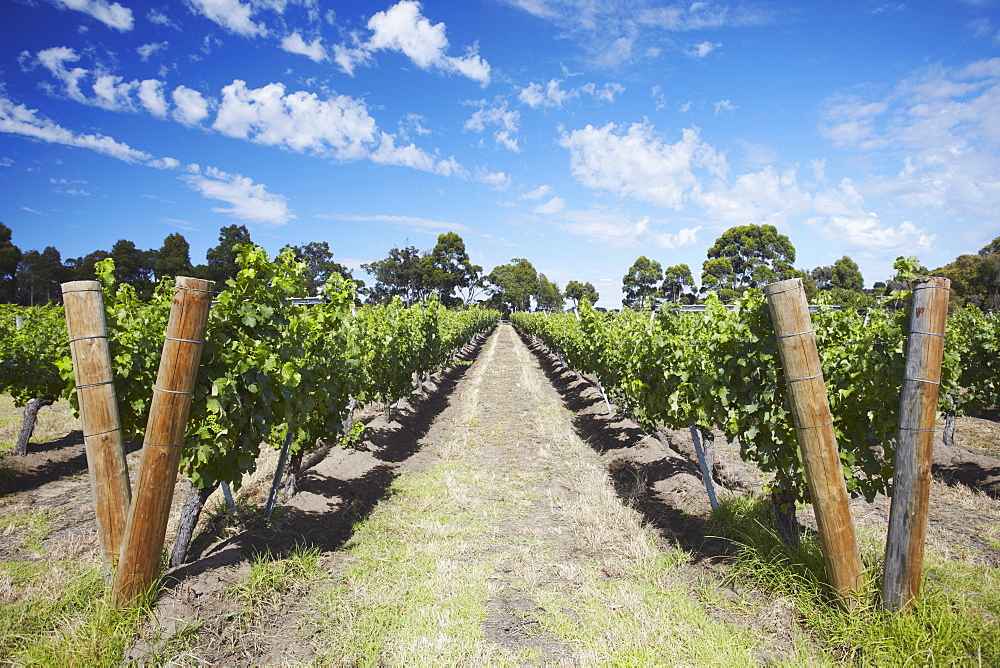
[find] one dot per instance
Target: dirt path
(502, 540)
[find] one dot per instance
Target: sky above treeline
(578, 134)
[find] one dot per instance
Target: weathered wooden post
(102, 435)
(816, 435)
(911, 478)
(164, 443)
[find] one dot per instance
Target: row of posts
(132, 527)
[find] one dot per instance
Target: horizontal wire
(96, 336)
(105, 382)
(160, 389)
(101, 433)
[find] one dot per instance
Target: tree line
(751, 256)
(743, 257)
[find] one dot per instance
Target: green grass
(53, 422)
(26, 528)
(58, 613)
(954, 622)
(411, 593)
(272, 576)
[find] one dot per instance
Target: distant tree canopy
(450, 272)
(413, 275)
(975, 279)
(173, 258)
(578, 292)
(844, 274)
(221, 259)
(747, 256)
(319, 265)
(678, 284)
(550, 298)
(513, 285)
(641, 285)
(402, 275)
(134, 266)
(10, 258)
(39, 276)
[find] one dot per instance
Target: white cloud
(313, 50)
(247, 200)
(147, 50)
(937, 132)
(19, 120)
(687, 236)
(232, 15)
(412, 123)
(159, 17)
(724, 105)
(350, 57)
(190, 107)
(866, 232)
(55, 60)
(496, 180)
(605, 93)
(703, 49)
(552, 94)
(601, 225)
(426, 225)
(152, 98)
(338, 126)
(499, 115)
(164, 163)
(538, 193)
(616, 31)
(388, 153)
(554, 205)
(112, 15)
(636, 163)
(111, 92)
(768, 197)
(404, 29)
(536, 95)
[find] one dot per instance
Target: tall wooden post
(816, 435)
(161, 451)
(911, 478)
(102, 435)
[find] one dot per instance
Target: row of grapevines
(971, 381)
(721, 369)
(271, 367)
(28, 357)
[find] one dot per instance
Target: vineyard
(581, 487)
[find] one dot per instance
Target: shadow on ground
(975, 470)
(350, 498)
(666, 490)
(47, 462)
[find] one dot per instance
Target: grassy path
(504, 542)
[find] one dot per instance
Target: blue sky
(579, 134)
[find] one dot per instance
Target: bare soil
(195, 619)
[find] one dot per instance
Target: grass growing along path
(509, 545)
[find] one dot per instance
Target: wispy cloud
(247, 200)
(112, 14)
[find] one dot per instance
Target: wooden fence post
(145, 532)
(816, 435)
(102, 434)
(911, 478)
